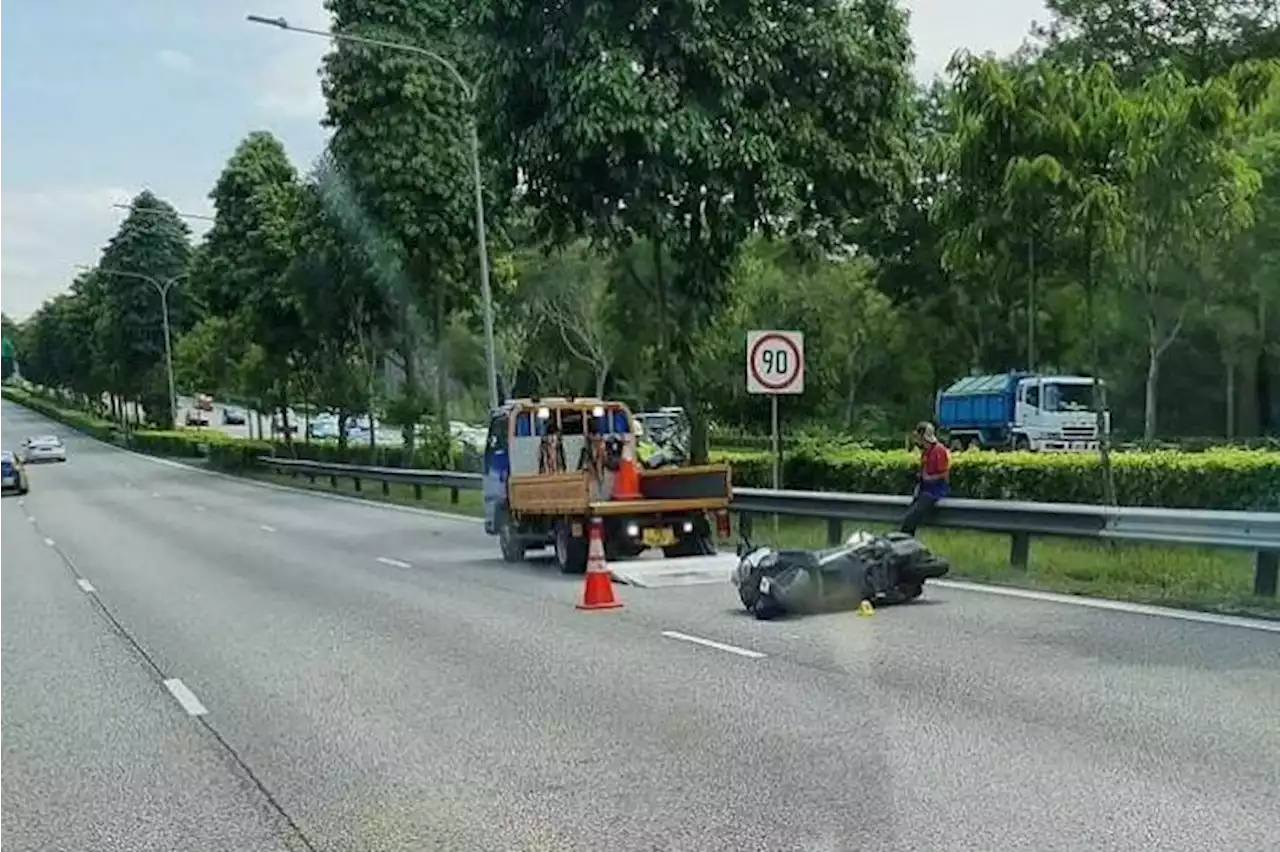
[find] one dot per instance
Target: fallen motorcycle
(882, 569)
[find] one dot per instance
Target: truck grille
(1079, 433)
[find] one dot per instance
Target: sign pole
(777, 445)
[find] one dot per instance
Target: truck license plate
(659, 537)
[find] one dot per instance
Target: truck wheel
(1021, 443)
(693, 546)
(513, 548)
(571, 553)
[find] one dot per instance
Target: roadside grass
(1208, 579)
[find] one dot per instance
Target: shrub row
(1212, 479)
(730, 441)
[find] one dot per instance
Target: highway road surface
(198, 663)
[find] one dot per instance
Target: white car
(44, 448)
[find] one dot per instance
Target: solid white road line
(86, 585)
(1113, 606)
(185, 697)
(48, 542)
(711, 643)
(266, 528)
(394, 563)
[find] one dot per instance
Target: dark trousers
(919, 511)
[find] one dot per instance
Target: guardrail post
(1264, 576)
(333, 481)
(1019, 550)
(744, 525)
(386, 488)
(311, 477)
(356, 481)
(417, 490)
(835, 531)
(453, 496)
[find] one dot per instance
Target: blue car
(15, 476)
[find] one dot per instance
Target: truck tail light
(723, 529)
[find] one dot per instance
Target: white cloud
(175, 60)
(46, 233)
(288, 85)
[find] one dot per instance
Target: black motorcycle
(887, 569)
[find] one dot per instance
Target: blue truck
(1020, 411)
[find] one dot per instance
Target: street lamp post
(469, 93)
(162, 287)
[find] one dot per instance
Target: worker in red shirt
(934, 478)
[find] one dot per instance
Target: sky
(155, 94)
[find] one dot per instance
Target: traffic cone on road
(597, 591)
(626, 483)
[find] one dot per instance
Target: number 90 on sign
(775, 362)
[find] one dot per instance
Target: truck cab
(553, 464)
(1021, 411)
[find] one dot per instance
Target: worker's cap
(925, 429)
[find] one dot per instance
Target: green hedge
(1213, 479)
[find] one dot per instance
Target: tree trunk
(602, 376)
(1151, 391)
(1231, 399)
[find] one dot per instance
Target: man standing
(934, 478)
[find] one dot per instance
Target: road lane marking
(48, 542)
(1114, 606)
(31, 519)
(199, 508)
(266, 528)
(86, 586)
(394, 563)
(185, 697)
(711, 643)
(154, 494)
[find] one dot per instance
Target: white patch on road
(155, 494)
(199, 508)
(31, 519)
(1113, 606)
(711, 643)
(48, 542)
(394, 563)
(660, 572)
(185, 697)
(266, 528)
(86, 586)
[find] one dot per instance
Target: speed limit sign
(775, 362)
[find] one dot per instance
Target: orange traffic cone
(626, 483)
(597, 592)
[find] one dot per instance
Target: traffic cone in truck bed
(626, 483)
(597, 591)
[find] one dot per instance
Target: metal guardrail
(1254, 531)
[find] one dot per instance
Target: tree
(240, 269)
(399, 124)
(1199, 38)
(1186, 188)
(691, 131)
(575, 296)
(149, 250)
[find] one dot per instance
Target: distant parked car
(197, 418)
(232, 417)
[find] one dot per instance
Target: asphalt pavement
(374, 678)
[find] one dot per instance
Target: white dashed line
(266, 528)
(154, 494)
(48, 542)
(86, 586)
(394, 563)
(711, 643)
(185, 697)
(199, 508)
(31, 519)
